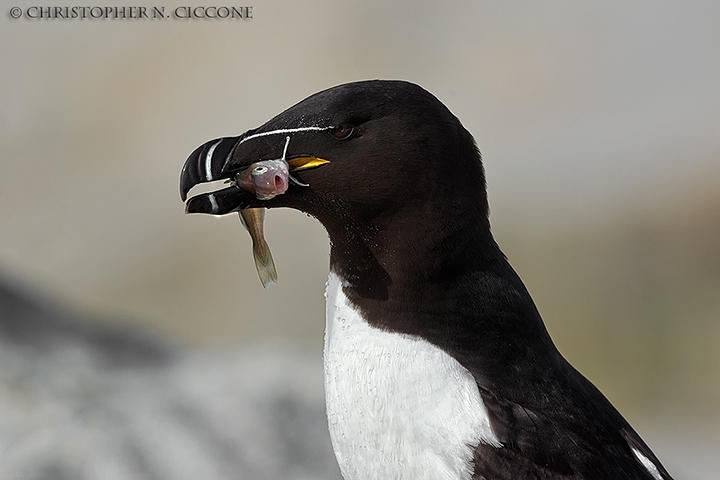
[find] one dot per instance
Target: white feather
(398, 407)
(648, 464)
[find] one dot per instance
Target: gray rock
(82, 401)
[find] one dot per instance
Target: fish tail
(264, 263)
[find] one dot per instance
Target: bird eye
(343, 132)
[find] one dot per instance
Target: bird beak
(205, 165)
(224, 158)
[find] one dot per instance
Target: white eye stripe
(284, 131)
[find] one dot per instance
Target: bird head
(390, 172)
(355, 152)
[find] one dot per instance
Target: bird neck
(445, 282)
(411, 249)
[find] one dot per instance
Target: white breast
(398, 407)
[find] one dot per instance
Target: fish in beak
(248, 184)
(230, 159)
(252, 219)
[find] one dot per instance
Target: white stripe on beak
(208, 161)
(213, 202)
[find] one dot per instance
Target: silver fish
(266, 179)
(252, 219)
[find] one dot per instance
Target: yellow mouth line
(305, 163)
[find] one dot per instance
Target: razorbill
(437, 362)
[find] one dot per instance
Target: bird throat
(398, 407)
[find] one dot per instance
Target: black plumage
(404, 202)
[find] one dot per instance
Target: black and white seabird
(437, 362)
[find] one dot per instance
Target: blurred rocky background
(136, 342)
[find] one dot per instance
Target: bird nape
(437, 362)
